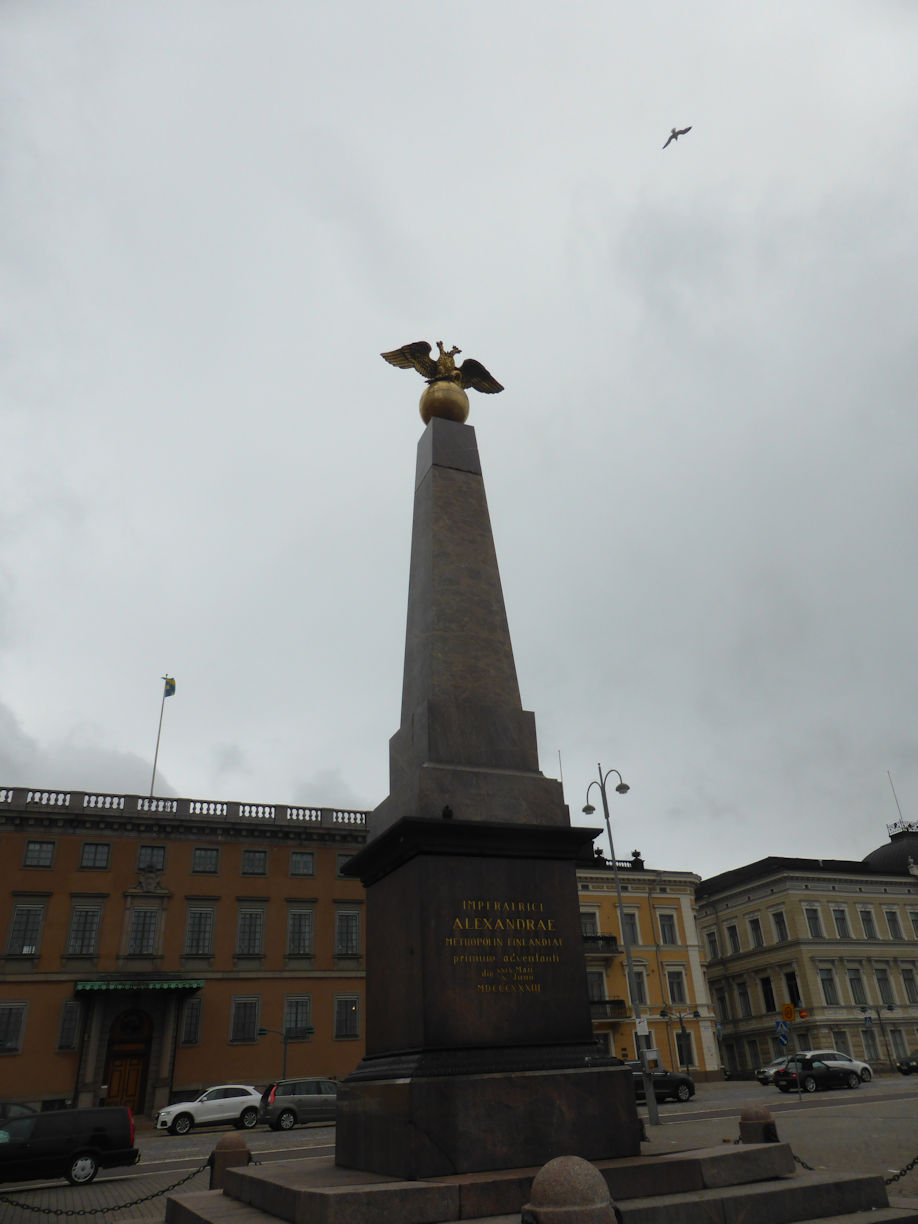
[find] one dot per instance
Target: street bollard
(569, 1190)
(231, 1152)
(757, 1125)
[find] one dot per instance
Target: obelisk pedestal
(479, 1046)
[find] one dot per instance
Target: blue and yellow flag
(170, 685)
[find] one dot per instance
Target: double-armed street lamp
(289, 1034)
(588, 809)
(680, 1016)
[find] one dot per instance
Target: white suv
(842, 1060)
(224, 1105)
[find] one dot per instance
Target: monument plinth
(479, 1046)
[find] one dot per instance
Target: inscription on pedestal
(502, 946)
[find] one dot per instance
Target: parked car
(863, 1069)
(71, 1143)
(13, 1109)
(287, 1103)
(765, 1075)
(811, 1074)
(224, 1105)
(909, 1064)
(667, 1085)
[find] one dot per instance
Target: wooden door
(125, 1080)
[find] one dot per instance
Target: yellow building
(670, 990)
(147, 944)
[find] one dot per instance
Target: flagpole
(162, 707)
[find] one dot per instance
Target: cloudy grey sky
(701, 474)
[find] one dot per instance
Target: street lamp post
(879, 1010)
(288, 1035)
(680, 1016)
(622, 789)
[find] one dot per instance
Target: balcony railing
(601, 945)
(609, 1009)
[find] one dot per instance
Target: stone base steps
(743, 1184)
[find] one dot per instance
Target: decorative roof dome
(900, 851)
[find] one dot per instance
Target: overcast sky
(701, 475)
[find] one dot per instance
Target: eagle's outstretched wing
(669, 140)
(415, 356)
(682, 131)
(475, 375)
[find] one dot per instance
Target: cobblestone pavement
(870, 1130)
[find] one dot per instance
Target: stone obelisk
(479, 1047)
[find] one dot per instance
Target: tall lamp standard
(588, 809)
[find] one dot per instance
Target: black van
(71, 1143)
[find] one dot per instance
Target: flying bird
(417, 356)
(676, 133)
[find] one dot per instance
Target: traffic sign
(803, 1013)
(787, 1011)
(782, 1031)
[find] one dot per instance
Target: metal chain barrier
(887, 1181)
(87, 1211)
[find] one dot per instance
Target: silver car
(292, 1102)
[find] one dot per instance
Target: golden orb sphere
(446, 400)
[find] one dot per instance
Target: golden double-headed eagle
(417, 356)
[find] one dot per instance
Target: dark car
(13, 1109)
(811, 1074)
(667, 1085)
(71, 1143)
(290, 1102)
(765, 1075)
(909, 1064)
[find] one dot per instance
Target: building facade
(835, 939)
(670, 986)
(153, 947)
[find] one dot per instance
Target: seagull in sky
(676, 133)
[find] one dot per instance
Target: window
(191, 1022)
(347, 933)
(299, 932)
(69, 1026)
(742, 995)
(639, 993)
(840, 1041)
(909, 985)
(780, 926)
(25, 930)
(856, 983)
(668, 934)
(871, 1049)
(913, 919)
(867, 922)
(347, 1016)
(829, 990)
(12, 1024)
(95, 856)
(342, 862)
(685, 1054)
(813, 922)
(768, 994)
(733, 938)
(142, 934)
(589, 922)
(297, 1017)
(254, 862)
(713, 950)
(199, 932)
(790, 985)
(302, 863)
(38, 854)
(721, 1005)
(151, 858)
(596, 985)
(244, 1025)
(675, 984)
(898, 1043)
(250, 933)
(205, 860)
(895, 927)
(630, 928)
(842, 930)
(755, 930)
(884, 986)
(83, 936)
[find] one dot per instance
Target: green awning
(141, 984)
